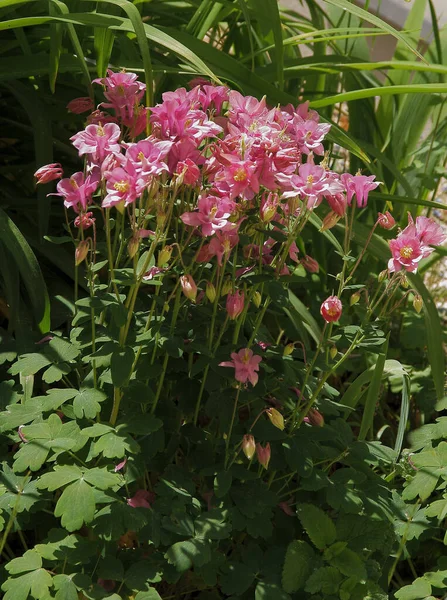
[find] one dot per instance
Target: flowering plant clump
(190, 413)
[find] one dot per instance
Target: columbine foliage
(190, 437)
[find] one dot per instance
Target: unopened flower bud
(418, 303)
(405, 283)
(331, 309)
(333, 352)
(248, 446)
(382, 275)
(161, 219)
(164, 256)
(210, 292)
(189, 287)
(310, 264)
(294, 204)
(263, 455)
(132, 246)
(235, 304)
(269, 205)
(226, 287)
(386, 220)
(276, 418)
(329, 221)
(81, 252)
(315, 417)
(288, 349)
(354, 299)
(257, 298)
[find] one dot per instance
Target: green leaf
(30, 561)
(270, 591)
(60, 476)
(420, 588)
(29, 364)
(100, 478)
(150, 594)
(319, 527)
(86, 403)
(121, 366)
(183, 555)
(373, 394)
(326, 579)
(222, 483)
(236, 578)
(298, 565)
(115, 445)
(350, 564)
(66, 589)
(76, 505)
(36, 583)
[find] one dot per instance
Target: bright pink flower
(124, 94)
(213, 96)
(212, 215)
(141, 499)
(220, 245)
(49, 173)
(311, 184)
(331, 309)
(263, 454)
(309, 135)
(238, 177)
(429, 232)
(310, 264)
(97, 141)
(189, 171)
(338, 203)
(148, 158)
(80, 105)
(189, 287)
(77, 191)
(360, 186)
(84, 220)
(245, 107)
(121, 186)
(235, 304)
(293, 252)
(407, 252)
(246, 365)
(386, 220)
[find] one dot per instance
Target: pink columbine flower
(238, 178)
(213, 214)
(141, 499)
(84, 221)
(407, 252)
(360, 186)
(310, 135)
(189, 171)
(429, 232)
(235, 304)
(311, 184)
(331, 309)
(48, 173)
(97, 141)
(338, 203)
(263, 454)
(246, 365)
(80, 105)
(121, 186)
(189, 287)
(77, 190)
(310, 264)
(386, 220)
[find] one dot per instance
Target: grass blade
(373, 393)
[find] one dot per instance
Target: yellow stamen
(121, 186)
(406, 252)
(100, 131)
(310, 179)
(240, 175)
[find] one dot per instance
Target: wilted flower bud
(329, 221)
(333, 352)
(81, 251)
(276, 418)
(294, 204)
(386, 221)
(235, 304)
(226, 287)
(189, 287)
(331, 309)
(310, 264)
(288, 349)
(315, 417)
(210, 292)
(248, 446)
(354, 299)
(418, 303)
(269, 205)
(263, 454)
(132, 246)
(257, 298)
(382, 275)
(164, 256)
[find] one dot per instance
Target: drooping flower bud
(210, 292)
(333, 352)
(294, 205)
(405, 283)
(84, 221)
(48, 173)
(354, 299)
(257, 298)
(269, 205)
(263, 454)
(331, 309)
(315, 417)
(164, 256)
(81, 251)
(276, 418)
(288, 349)
(382, 275)
(418, 303)
(132, 246)
(329, 221)
(386, 220)
(189, 287)
(310, 264)
(80, 105)
(235, 304)
(248, 446)
(226, 287)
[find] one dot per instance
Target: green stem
(233, 416)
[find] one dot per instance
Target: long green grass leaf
(373, 393)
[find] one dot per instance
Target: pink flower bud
(331, 309)
(310, 264)
(120, 465)
(276, 418)
(141, 499)
(81, 251)
(386, 221)
(315, 417)
(338, 203)
(248, 446)
(80, 105)
(84, 221)
(235, 304)
(269, 205)
(189, 287)
(48, 173)
(263, 454)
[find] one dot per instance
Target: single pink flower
(429, 232)
(97, 141)
(386, 220)
(359, 186)
(141, 499)
(246, 365)
(80, 105)
(121, 186)
(263, 454)
(84, 220)
(212, 215)
(310, 135)
(338, 203)
(189, 171)
(78, 190)
(189, 287)
(407, 252)
(238, 178)
(220, 245)
(48, 173)
(310, 264)
(331, 309)
(235, 304)
(149, 157)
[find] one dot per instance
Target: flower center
(140, 156)
(310, 179)
(73, 183)
(246, 358)
(100, 131)
(121, 186)
(213, 211)
(406, 252)
(332, 311)
(240, 175)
